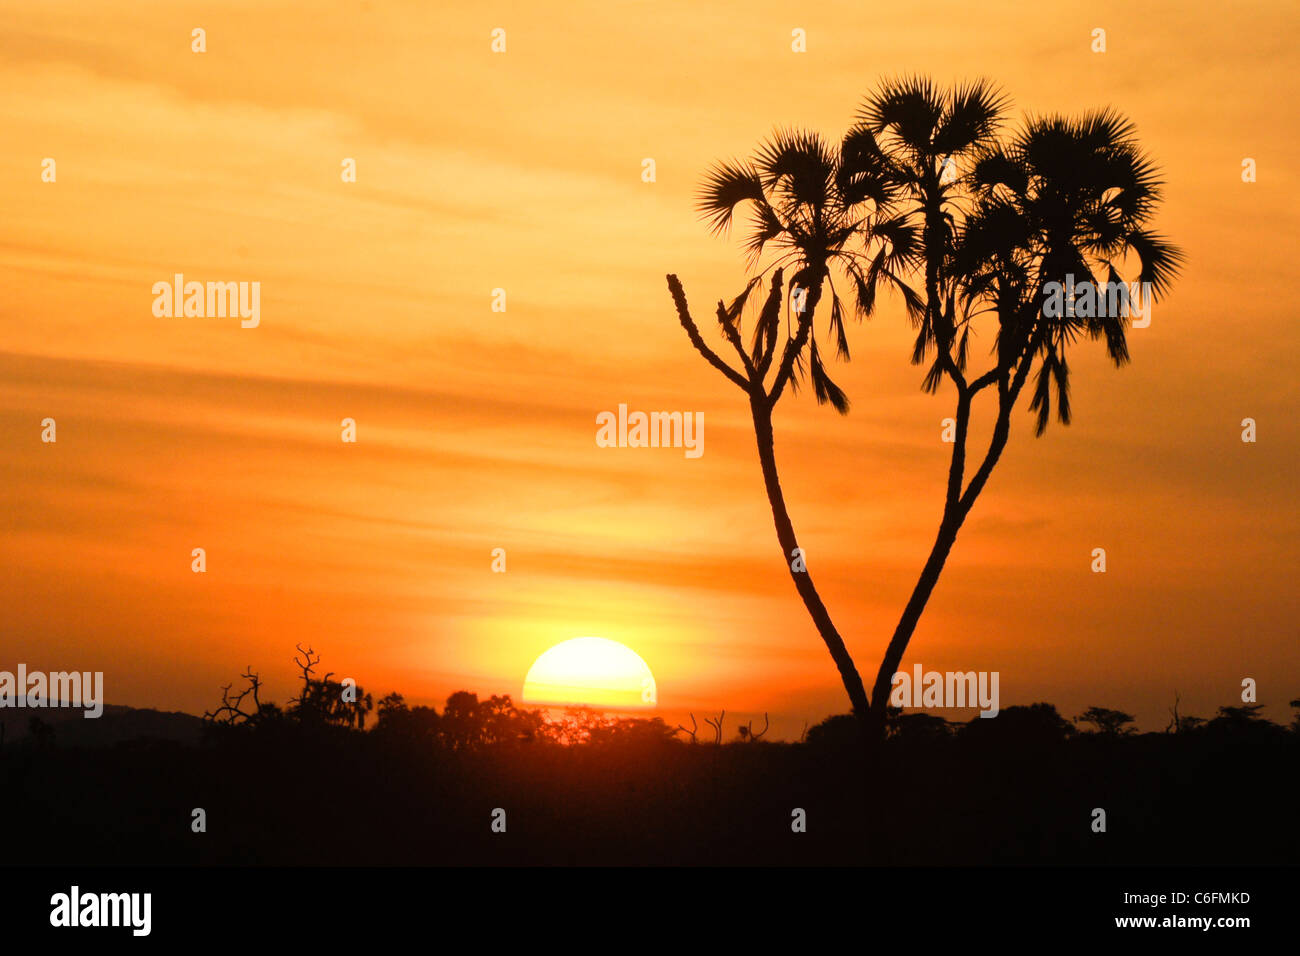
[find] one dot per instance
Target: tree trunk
(911, 616)
(954, 515)
(802, 579)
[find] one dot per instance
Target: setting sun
(590, 671)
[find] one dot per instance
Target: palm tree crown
(1065, 201)
(815, 207)
(926, 134)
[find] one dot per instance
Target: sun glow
(591, 671)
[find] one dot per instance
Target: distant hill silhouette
(118, 724)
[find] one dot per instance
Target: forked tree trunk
(956, 506)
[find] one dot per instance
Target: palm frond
(730, 315)
(999, 168)
(1041, 403)
(1061, 377)
(800, 164)
(769, 321)
(903, 238)
(909, 108)
(837, 327)
(767, 226)
(1161, 259)
(825, 389)
(1112, 326)
(972, 115)
(726, 186)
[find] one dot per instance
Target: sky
(522, 171)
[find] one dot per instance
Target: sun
(593, 672)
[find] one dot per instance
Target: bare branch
(309, 663)
(985, 380)
(796, 344)
(684, 314)
(792, 349)
(731, 335)
(717, 726)
(747, 730)
(690, 733)
(1001, 429)
(231, 710)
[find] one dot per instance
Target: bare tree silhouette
(716, 724)
(1181, 723)
(693, 731)
(231, 709)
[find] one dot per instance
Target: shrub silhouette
(1035, 725)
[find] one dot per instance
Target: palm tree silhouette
(813, 205)
(922, 184)
(1065, 197)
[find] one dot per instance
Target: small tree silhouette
(325, 702)
(1109, 723)
(468, 723)
(1245, 719)
(1033, 725)
(460, 726)
(397, 721)
(747, 732)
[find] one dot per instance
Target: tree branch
(795, 345)
(684, 314)
(957, 468)
(768, 324)
(731, 335)
(985, 380)
(1007, 395)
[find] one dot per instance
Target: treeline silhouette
(333, 778)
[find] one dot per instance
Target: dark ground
(1017, 789)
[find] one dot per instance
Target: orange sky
(476, 429)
